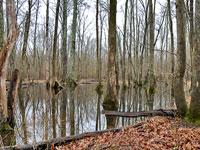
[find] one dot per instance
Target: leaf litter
(154, 134)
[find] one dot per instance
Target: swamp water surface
(42, 115)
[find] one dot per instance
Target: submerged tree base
(110, 104)
(5, 127)
(150, 90)
(71, 83)
(99, 88)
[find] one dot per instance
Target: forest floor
(155, 133)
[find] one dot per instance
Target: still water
(42, 114)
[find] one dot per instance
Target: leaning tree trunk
(110, 101)
(194, 112)
(4, 56)
(179, 93)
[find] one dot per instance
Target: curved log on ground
(160, 112)
(52, 143)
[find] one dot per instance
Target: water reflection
(42, 114)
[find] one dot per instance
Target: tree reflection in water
(41, 114)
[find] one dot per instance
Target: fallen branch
(57, 141)
(159, 112)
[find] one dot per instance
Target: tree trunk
(72, 56)
(55, 44)
(64, 42)
(12, 94)
(26, 35)
(63, 113)
(181, 60)
(191, 39)
(47, 45)
(35, 37)
(72, 111)
(110, 101)
(172, 48)
(1, 25)
(151, 69)
(144, 44)
(97, 47)
(4, 56)
(130, 42)
(194, 112)
(124, 46)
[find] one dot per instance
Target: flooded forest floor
(155, 133)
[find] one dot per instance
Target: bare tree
(55, 46)
(110, 101)
(179, 93)
(72, 56)
(1, 25)
(194, 112)
(47, 45)
(4, 56)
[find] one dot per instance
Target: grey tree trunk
(97, 48)
(124, 46)
(151, 69)
(35, 36)
(26, 35)
(179, 93)
(172, 48)
(64, 42)
(72, 56)
(47, 45)
(55, 45)
(191, 38)
(110, 101)
(194, 113)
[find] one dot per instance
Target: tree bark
(110, 101)
(47, 45)
(97, 47)
(151, 67)
(181, 60)
(191, 38)
(4, 56)
(72, 56)
(124, 46)
(26, 35)
(55, 44)
(172, 48)
(12, 94)
(35, 35)
(194, 112)
(1, 25)
(64, 42)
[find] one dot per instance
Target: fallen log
(50, 144)
(160, 112)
